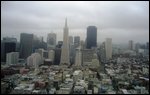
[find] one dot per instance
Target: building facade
(76, 41)
(26, 45)
(91, 40)
(65, 47)
(70, 40)
(51, 55)
(7, 45)
(87, 56)
(51, 41)
(130, 45)
(12, 58)
(34, 60)
(108, 48)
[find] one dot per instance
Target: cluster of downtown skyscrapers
(43, 65)
(63, 52)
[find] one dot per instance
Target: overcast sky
(121, 21)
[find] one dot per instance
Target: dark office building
(43, 45)
(59, 45)
(7, 45)
(57, 56)
(76, 41)
(91, 37)
(38, 44)
(45, 54)
(26, 45)
(17, 47)
(72, 54)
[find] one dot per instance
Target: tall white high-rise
(78, 57)
(108, 47)
(51, 41)
(65, 48)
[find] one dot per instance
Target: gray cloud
(121, 21)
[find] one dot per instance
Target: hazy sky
(121, 21)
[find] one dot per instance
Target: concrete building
(91, 37)
(51, 55)
(40, 51)
(108, 48)
(95, 61)
(87, 56)
(51, 41)
(78, 58)
(102, 53)
(34, 60)
(82, 43)
(130, 45)
(12, 58)
(65, 48)
(76, 41)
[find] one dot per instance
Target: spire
(66, 22)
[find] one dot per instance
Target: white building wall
(78, 58)
(34, 60)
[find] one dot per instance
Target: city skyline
(75, 48)
(110, 18)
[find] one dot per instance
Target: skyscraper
(65, 47)
(131, 45)
(78, 60)
(70, 40)
(71, 50)
(51, 41)
(57, 53)
(57, 56)
(7, 45)
(76, 41)
(91, 37)
(26, 45)
(102, 52)
(108, 48)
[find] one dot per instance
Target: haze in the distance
(121, 21)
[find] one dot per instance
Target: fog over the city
(121, 21)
